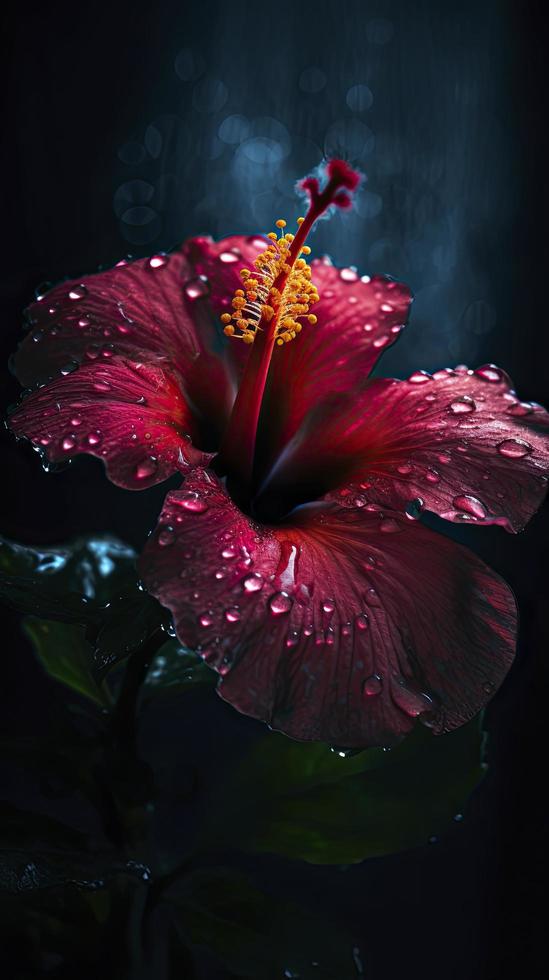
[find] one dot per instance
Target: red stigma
(340, 175)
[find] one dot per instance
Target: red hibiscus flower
(290, 558)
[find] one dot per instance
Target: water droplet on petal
(158, 261)
(444, 458)
(228, 257)
(432, 476)
(253, 583)
(69, 368)
(280, 603)
(414, 508)
(463, 405)
(514, 448)
(328, 606)
(489, 372)
(197, 288)
(206, 618)
(166, 537)
(78, 292)
(232, 615)
(372, 685)
(84, 322)
(361, 621)
(292, 639)
(520, 408)
(190, 500)
(381, 341)
(405, 469)
(76, 420)
(94, 438)
(348, 275)
(37, 336)
(470, 505)
(146, 468)
(413, 703)
(419, 377)
(229, 552)
(69, 442)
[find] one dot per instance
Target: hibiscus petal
(358, 319)
(152, 308)
(345, 627)
(458, 443)
(130, 415)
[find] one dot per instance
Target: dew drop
(228, 257)
(166, 537)
(190, 500)
(520, 408)
(197, 288)
(489, 372)
(361, 621)
(463, 405)
(470, 505)
(94, 438)
(432, 476)
(413, 703)
(414, 508)
(76, 420)
(420, 377)
(37, 336)
(348, 275)
(78, 292)
(232, 615)
(206, 618)
(328, 606)
(444, 458)
(84, 322)
(292, 639)
(158, 261)
(381, 341)
(69, 368)
(229, 552)
(102, 386)
(146, 468)
(280, 603)
(405, 469)
(69, 442)
(372, 685)
(253, 583)
(514, 448)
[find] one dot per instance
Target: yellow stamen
(260, 300)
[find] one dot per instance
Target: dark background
(129, 126)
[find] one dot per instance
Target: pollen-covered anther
(260, 301)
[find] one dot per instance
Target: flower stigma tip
(278, 293)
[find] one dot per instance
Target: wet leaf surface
(66, 655)
(256, 935)
(302, 801)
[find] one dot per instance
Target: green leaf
(255, 934)
(176, 669)
(127, 623)
(65, 654)
(302, 801)
(66, 583)
(92, 582)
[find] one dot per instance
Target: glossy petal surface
(155, 310)
(345, 627)
(459, 443)
(130, 415)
